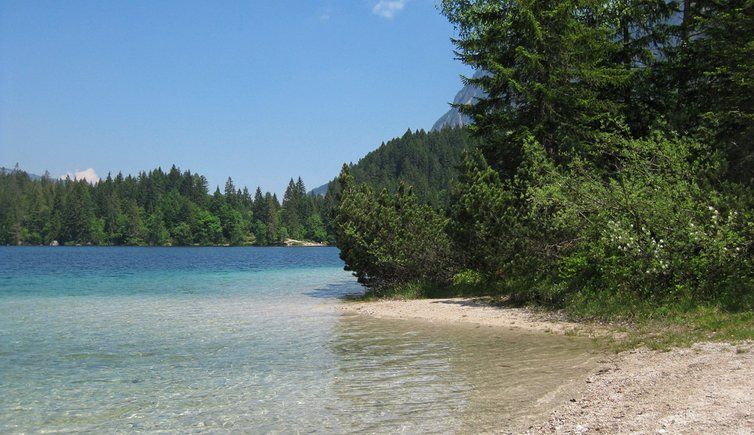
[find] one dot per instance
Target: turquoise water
(197, 340)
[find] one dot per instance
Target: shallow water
(244, 340)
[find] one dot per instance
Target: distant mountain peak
(8, 171)
(467, 95)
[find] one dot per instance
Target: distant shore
(304, 243)
(286, 243)
(703, 389)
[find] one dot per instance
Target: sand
(472, 310)
(708, 388)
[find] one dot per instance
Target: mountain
(452, 118)
(319, 191)
(33, 177)
(468, 94)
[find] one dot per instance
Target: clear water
(197, 340)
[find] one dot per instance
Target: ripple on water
(247, 350)
(422, 377)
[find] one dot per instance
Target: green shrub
(656, 227)
(389, 239)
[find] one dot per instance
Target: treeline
(175, 208)
(614, 169)
(154, 208)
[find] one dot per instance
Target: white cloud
(87, 174)
(388, 8)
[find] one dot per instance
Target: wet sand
(703, 389)
(472, 310)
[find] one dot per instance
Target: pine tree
(712, 69)
(291, 205)
(77, 213)
(549, 68)
(260, 206)
(389, 239)
(230, 192)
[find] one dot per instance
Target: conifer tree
(549, 69)
(230, 192)
(712, 71)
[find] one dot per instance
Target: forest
(613, 170)
(428, 162)
(155, 208)
(176, 209)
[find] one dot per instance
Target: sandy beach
(472, 310)
(703, 389)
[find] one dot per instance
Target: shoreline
(705, 388)
(478, 311)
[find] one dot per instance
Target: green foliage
(181, 234)
(654, 229)
(672, 326)
(706, 81)
(465, 284)
(315, 228)
(614, 170)
(425, 161)
(207, 228)
(389, 238)
(483, 218)
(154, 208)
(468, 277)
(295, 209)
(656, 226)
(550, 72)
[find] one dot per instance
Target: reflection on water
(397, 375)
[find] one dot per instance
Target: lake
(110, 339)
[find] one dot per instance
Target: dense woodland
(428, 162)
(614, 168)
(154, 208)
(175, 208)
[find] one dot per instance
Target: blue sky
(260, 91)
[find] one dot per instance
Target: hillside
(452, 119)
(426, 161)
